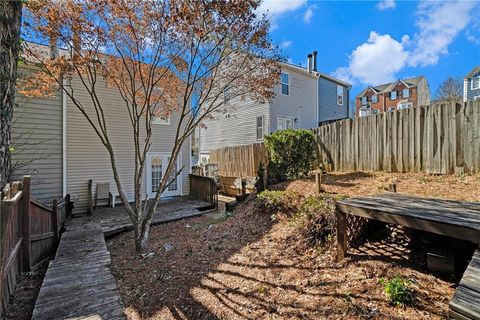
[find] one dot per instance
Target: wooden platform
(79, 282)
(116, 220)
(455, 219)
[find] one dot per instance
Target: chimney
(309, 63)
(315, 61)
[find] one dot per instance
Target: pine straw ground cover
(245, 266)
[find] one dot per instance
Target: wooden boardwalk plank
(79, 282)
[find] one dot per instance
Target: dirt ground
(25, 294)
(244, 266)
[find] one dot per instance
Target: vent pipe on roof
(309, 63)
(315, 61)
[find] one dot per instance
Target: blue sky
(373, 42)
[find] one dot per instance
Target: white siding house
(68, 153)
(304, 98)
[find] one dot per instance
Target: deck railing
(204, 188)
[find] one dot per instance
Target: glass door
(156, 165)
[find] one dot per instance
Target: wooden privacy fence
(204, 188)
(29, 234)
(440, 139)
(239, 161)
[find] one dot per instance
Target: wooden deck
(116, 220)
(455, 219)
(79, 283)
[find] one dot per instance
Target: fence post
(25, 212)
(90, 200)
(68, 206)
(318, 182)
(55, 227)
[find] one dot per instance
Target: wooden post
(392, 187)
(265, 177)
(318, 182)
(90, 201)
(25, 207)
(342, 239)
(55, 227)
(68, 206)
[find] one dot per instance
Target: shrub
(398, 290)
(291, 154)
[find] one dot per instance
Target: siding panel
(329, 110)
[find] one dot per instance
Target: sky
(375, 42)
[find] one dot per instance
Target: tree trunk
(141, 232)
(9, 51)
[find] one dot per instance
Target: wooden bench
(456, 219)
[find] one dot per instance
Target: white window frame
(257, 127)
(166, 193)
(406, 105)
(339, 95)
(396, 95)
(161, 120)
(285, 83)
(376, 98)
(363, 101)
(364, 113)
(283, 120)
(391, 109)
(408, 93)
(477, 78)
(375, 111)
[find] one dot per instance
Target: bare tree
(11, 13)
(163, 57)
(450, 90)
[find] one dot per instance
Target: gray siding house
(471, 85)
(56, 145)
(304, 98)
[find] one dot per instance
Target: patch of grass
(398, 290)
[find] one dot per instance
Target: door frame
(166, 193)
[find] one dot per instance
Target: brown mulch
(465, 188)
(246, 267)
(23, 300)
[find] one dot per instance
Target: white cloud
(375, 61)
(275, 8)
(285, 44)
(381, 57)
(439, 23)
(386, 4)
(307, 16)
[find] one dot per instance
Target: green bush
(291, 154)
(398, 291)
(259, 183)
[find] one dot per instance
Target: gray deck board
(79, 283)
(456, 219)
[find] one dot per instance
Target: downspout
(64, 139)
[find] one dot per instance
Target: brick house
(401, 94)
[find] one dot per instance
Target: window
(364, 113)
(285, 83)
(476, 83)
(393, 95)
(284, 123)
(161, 120)
(391, 109)
(374, 98)
(407, 105)
(226, 95)
(260, 128)
(364, 101)
(406, 93)
(340, 95)
(375, 111)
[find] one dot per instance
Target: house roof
(315, 74)
(473, 72)
(387, 87)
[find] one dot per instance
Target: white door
(156, 166)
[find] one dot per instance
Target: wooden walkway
(116, 220)
(455, 219)
(79, 283)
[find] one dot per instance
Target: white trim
(64, 140)
(283, 119)
(281, 83)
(257, 127)
(149, 173)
